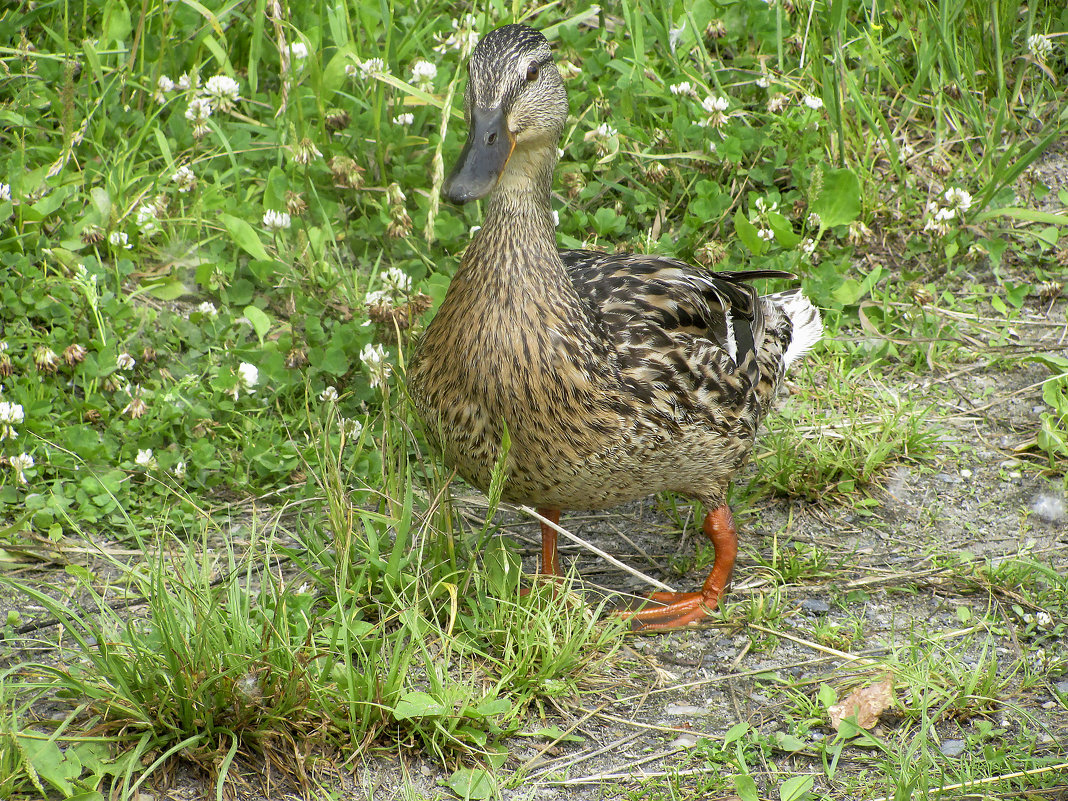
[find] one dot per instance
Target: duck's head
(515, 102)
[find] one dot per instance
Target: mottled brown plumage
(616, 376)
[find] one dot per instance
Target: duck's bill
(486, 152)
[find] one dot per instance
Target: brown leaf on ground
(866, 703)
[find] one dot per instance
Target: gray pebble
(815, 606)
(953, 748)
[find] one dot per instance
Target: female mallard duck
(613, 376)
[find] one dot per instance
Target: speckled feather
(617, 376)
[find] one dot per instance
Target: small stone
(949, 478)
(684, 741)
(1062, 687)
(953, 748)
(814, 606)
(685, 709)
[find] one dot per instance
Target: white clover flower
(224, 91)
(185, 178)
(813, 220)
(276, 220)
(369, 68)
(763, 81)
(462, 38)
(764, 207)
(717, 111)
(10, 415)
(407, 118)
(119, 239)
(374, 357)
(137, 406)
(147, 216)
(352, 428)
(145, 459)
(208, 308)
(776, 103)
(766, 234)
(5, 192)
(812, 102)
(20, 464)
(188, 80)
(247, 378)
(248, 375)
(164, 86)
(808, 246)
(179, 471)
(125, 361)
(298, 51)
(328, 395)
(398, 281)
(198, 112)
(683, 88)
(1040, 46)
(305, 151)
(958, 199)
(376, 297)
(713, 104)
(424, 73)
(605, 131)
(45, 359)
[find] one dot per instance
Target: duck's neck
(517, 241)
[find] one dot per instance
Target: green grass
(200, 382)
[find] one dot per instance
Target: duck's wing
(667, 313)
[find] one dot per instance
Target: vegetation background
(227, 558)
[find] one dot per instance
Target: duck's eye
(532, 73)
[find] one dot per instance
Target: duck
(592, 378)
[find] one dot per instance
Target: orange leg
(683, 608)
(550, 559)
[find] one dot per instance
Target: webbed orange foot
(684, 608)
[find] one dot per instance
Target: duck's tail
(807, 328)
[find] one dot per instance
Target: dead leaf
(864, 703)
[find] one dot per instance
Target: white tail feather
(808, 328)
